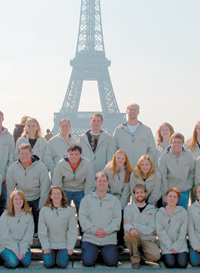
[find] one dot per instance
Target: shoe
(135, 265)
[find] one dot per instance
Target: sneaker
(135, 265)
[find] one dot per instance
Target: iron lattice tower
(89, 64)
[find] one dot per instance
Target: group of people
(101, 174)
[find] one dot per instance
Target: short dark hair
(139, 186)
(96, 115)
(100, 174)
(74, 147)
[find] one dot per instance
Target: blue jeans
(76, 196)
(176, 260)
(90, 254)
(194, 257)
(11, 260)
(184, 199)
(56, 256)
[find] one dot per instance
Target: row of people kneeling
(100, 219)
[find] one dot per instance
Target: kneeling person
(100, 218)
(140, 226)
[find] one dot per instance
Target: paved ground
(37, 266)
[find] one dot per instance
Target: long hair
(191, 143)
(158, 134)
(38, 132)
(25, 206)
(137, 170)
(127, 166)
(49, 201)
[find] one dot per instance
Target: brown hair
(49, 202)
(38, 132)
(24, 146)
(139, 186)
(100, 174)
(137, 170)
(177, 135)
(127, 166)
(158, 134)
(96, 115)
(64, 119)
(174, 190)
(74, 147)
(25, 206)
(191, 144)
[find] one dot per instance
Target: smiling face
(64, 128)
(145, 166)
(140, 195)
(120, 160)
(32, 127)
(96, 123)
(198, 192)
(56, 197)
(101, 183)
(25, 156)
(176, 146)
(74, 157)
(17, 202)
(165, 132)
(172, 198)
(132, 111)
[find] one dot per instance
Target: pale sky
(153, 45)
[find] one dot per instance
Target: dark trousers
(34, 205)
(176, 260)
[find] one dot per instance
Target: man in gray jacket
(7, 147)
(100, 218)
(97, 145)
(140, 226)
(134, 137)
(29, 175)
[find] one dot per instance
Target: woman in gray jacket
(57, 229)
(16, 232)
(171, 226)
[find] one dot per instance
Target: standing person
(48, 136)
(57, 146)
(134, 137)
(197, 171)
(57, 229)
(31, 176)
(176, 165)
(118, 171)
(7, 147)
(97, 145)
(171, 226)
(194, 229)
(140, 226)
(32, 135)
(163, 139)
(193, 144)
(146, 174)
(16, 232)
(100, 216)
(75, 175)
(19, 128)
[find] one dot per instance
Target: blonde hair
(191, 144)
(38, 132)
(127, 166)
(195, 188)
(133, 104)
(137, 170)
(49, 201)
(25, 206)
(158, 134)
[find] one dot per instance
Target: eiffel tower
(89, 64)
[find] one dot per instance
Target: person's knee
(154, 255)
(48, 264)
(11, 264)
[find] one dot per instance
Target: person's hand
(173, 250)
(47, 251)
(100, 232)
(134, 232)
(128, 222)
(20, 256)
(69, 252)
(198, 249)
(4, 181)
